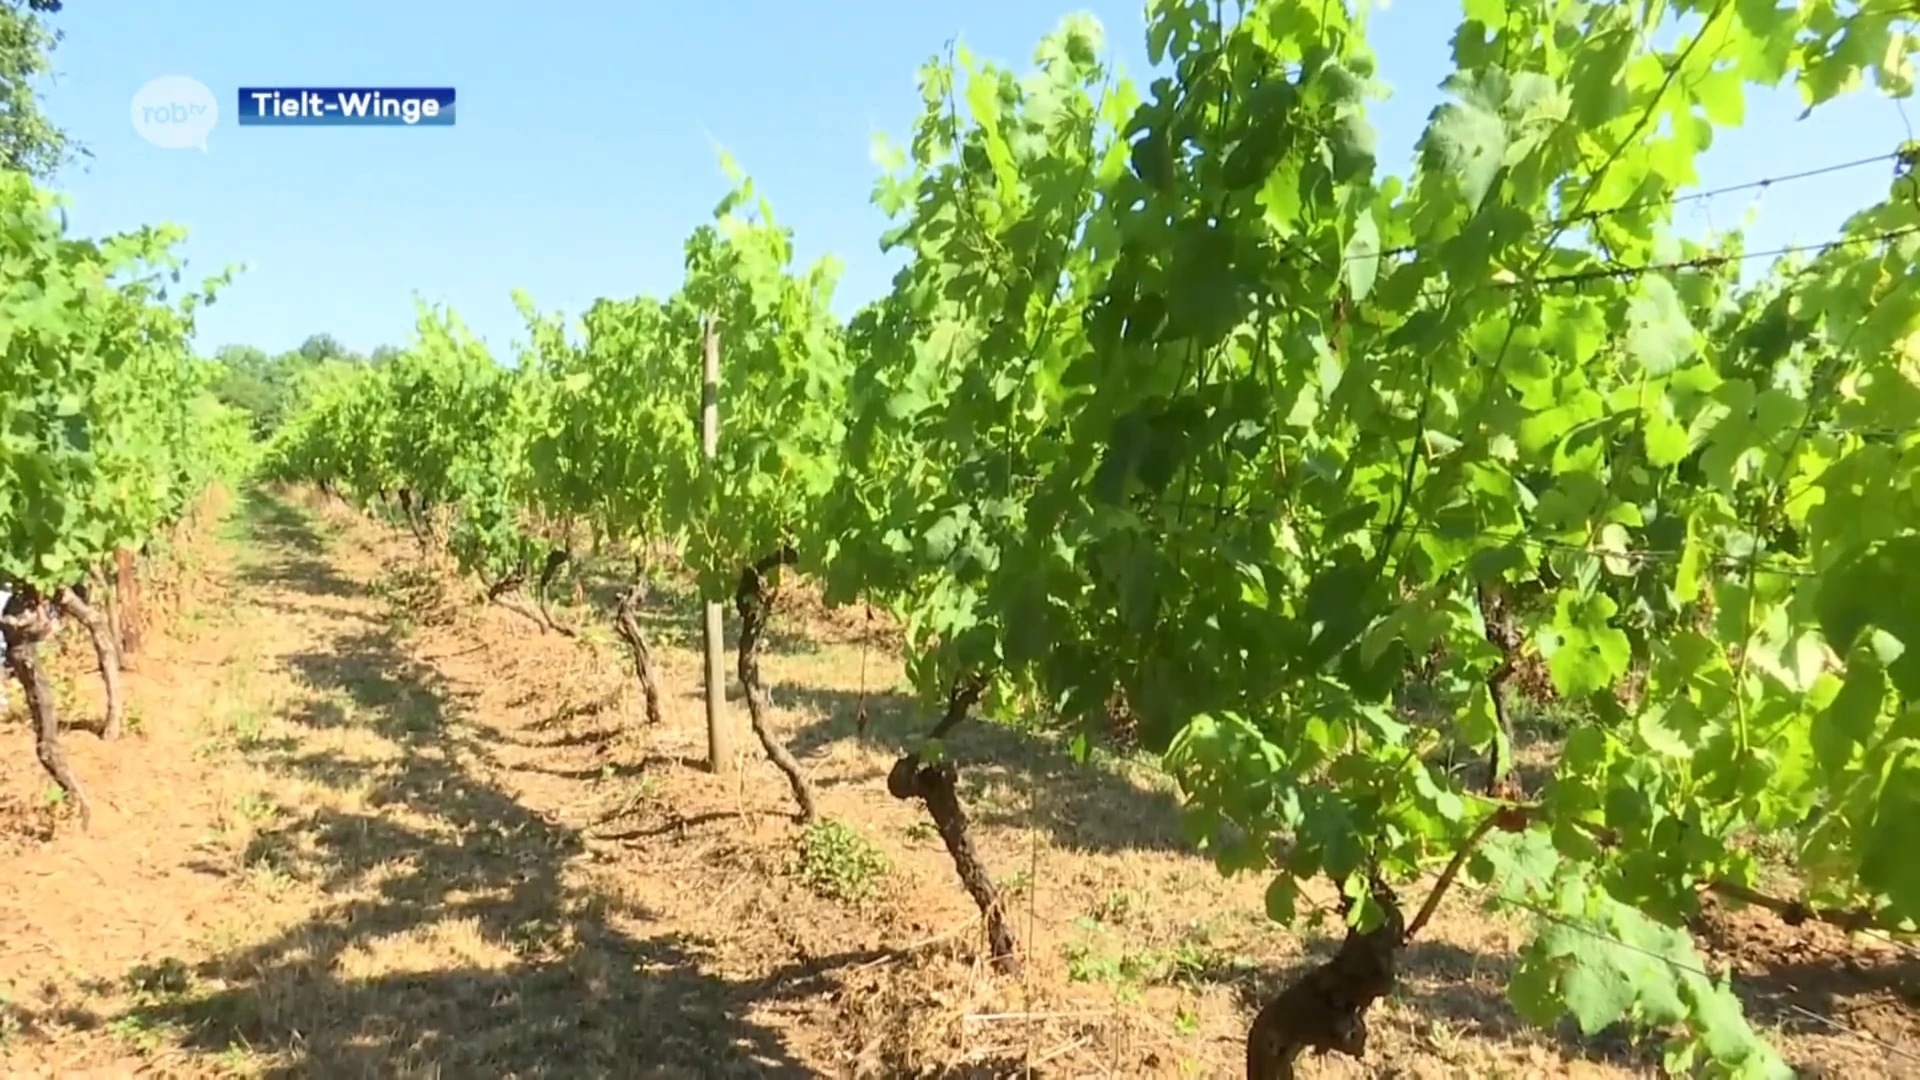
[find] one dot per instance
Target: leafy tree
(29, 141)
(320, 347)
(263, 385)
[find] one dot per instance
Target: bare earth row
(366, 826)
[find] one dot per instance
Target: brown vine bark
(626, 620)
(1326, 1009)
(937, 786)
(753, 598)
(414, 516)
(556, 558)
(104, 652)
(102, 588)
(508, 582)
(501, 592)
(126, 589)
(1797, 912)
(24, 626)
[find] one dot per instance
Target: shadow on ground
(670, 616)
(455, 936)
(1461, 990)
(299, 561)
(1812, 979)
(1089, 807)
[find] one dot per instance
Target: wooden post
(132, 615)
(719, 733)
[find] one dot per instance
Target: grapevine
(1179, 401)
(106, 436)
(600, 431)
(597, 456)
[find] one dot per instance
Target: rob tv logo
(175, 112)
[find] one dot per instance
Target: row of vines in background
(1180, 402)
(108, 439)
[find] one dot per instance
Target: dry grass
(370, 829)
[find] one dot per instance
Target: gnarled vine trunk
(556, 558)
(937, 785)
(414, 515)
(101, 591)
(626, 620)
(501, 592)
(753, 599)
(24, 626)
(1326, 1009)
(104, 652)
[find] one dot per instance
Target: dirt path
(325, 875)
(370, 829)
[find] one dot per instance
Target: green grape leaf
(1659, 337)
(1362, 256)
(1590, 653)
(1467, 138)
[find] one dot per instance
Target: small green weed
(168, 977)
(141, 1031)
(1018, 883)
(1098, 956)
(838, 863)
(1186, 1021)
(1116, 909)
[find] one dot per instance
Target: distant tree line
(264, 384)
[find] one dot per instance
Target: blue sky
(583, 152)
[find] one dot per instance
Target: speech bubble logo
(175, 112)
